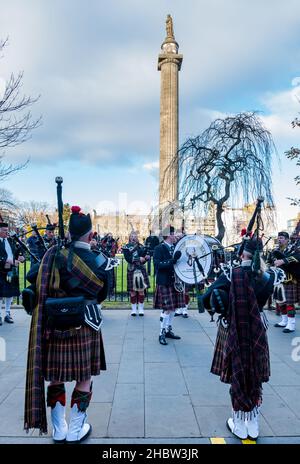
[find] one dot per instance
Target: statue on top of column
(169, 27)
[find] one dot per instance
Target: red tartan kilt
(180, 298)
(165, 298)
(292, 293)
(74, 358)
(218, 357)
(130, 278)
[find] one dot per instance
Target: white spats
(78, 428)
(60, 426)
(291, 325)
(133, 309)
(141, 309)
(237, 425)
(164, 318)
(252, 425)
(283, 322)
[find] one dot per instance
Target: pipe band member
(73, 354)
(241, 353)
(138, 281)
(287, 257)
(165, 297)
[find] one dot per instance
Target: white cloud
(151, 166)
(96, 67)
(96, 71)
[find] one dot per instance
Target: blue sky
(95, 66)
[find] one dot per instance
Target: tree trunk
(220, 223)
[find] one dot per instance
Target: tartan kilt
(218, 357)
(130, 278)
(180, 298)
(217, 366)
(74, 358)
(292, 292)
(8, 289)
(165, 298)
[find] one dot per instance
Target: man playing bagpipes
(137, 278)
(287, 257)
(36, 247)
(10, 258)
(49, 236)
(65, 342)
(109, 247)
(38, 244)
(241, 353)
(165, 297)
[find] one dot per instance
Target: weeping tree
(229, 162)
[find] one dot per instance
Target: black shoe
(185, 315)
(280, 326)
(162, 339)
(176, 314)
(8, 319)
(1, 320)
(170, 334)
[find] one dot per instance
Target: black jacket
(163, 265)
(73, 286)
(263, 288)
(3, 254)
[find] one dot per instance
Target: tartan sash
(35, 406)
(246, 353)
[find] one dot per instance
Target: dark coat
(163, 265)
(263, 289)
(8, 288)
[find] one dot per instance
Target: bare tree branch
(15, 125)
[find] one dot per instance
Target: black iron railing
(118, 290)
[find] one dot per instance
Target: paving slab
(280, 417)
(170, 416)
(205, 389)
(104, 385)
(164, 379)
(127, 416)
(157, 394)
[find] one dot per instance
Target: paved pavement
(158, 394)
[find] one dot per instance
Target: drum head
(190, 246)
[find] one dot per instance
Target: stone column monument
(169, 63)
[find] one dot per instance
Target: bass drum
(201, 247)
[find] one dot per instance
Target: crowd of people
(80, 276)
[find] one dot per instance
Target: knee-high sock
(170, 319)
(283, 308)
(141, 297)
(164, 318)
(82, 399)
(133, 299)
(8, 302)
(291, 310)
(56, 393)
